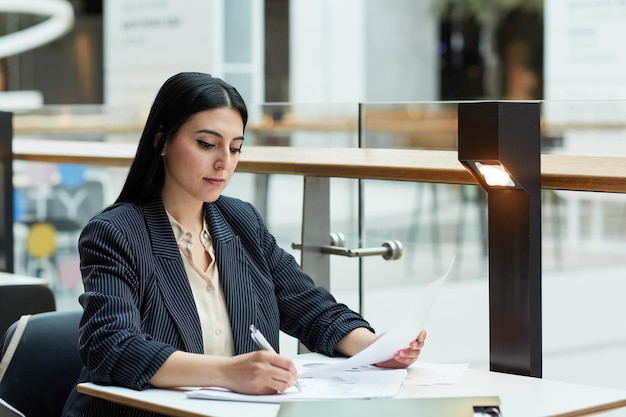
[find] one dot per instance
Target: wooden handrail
(74, 152)
(559, 172)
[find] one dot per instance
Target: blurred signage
(585, 73)
(146, 41)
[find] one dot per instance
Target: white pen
(262, 342)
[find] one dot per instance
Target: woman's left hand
(406, 357)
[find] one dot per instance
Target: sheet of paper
(422, 373)
(398, 337)
(338, 385)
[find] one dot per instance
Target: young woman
(175, 273)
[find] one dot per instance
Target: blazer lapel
(171, 277)
(232, 264)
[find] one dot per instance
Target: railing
(558, 172)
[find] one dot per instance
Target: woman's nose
(224, 159)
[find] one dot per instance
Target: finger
(422, 336)
(288, 369)
(405, 358)
(285, 364)
(274, 380)
(415, 345)
(402, 362)
(410, 354)
(284, 380)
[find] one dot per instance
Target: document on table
(379, 383)
(398, 337)
(426, 374)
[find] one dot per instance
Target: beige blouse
(207, 292)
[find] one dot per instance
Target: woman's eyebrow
(219, 135)
(210, 132)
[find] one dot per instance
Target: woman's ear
(159, 140)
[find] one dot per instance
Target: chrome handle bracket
(389, 250)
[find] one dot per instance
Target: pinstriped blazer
(139, 308)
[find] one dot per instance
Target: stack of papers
(349, 384)
(355, 377)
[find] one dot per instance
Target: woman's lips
(215, 181)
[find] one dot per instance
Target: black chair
(6, 410)
(17, 300)
(45, 365)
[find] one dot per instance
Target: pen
(262, 342)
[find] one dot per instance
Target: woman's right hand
(260, 372)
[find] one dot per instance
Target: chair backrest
(6, 410)
(45, 365)
(17, 300)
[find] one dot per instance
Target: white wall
(362, 50)
(584, 60)
(401, 51)
(326, 51)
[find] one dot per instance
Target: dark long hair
(180, 97)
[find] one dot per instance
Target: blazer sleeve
(112, 345)
(307, 312)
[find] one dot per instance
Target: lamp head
(491, 174)
(495, 174)
(499, 144)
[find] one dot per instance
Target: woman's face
(201, 157)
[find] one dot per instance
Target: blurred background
(311, 72)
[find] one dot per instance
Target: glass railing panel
(586, 234)
(423, 125)
(325, 125)
(280, 197)
(586, 221)
(308, 125)
(52, 203)
(433, 222)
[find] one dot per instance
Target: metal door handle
(389, 250)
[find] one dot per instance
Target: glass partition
(584, 244)
(435, 223)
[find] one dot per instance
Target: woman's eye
(205, 144)
(235, 150)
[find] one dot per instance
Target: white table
(526, 396)
(519, 396)
(7, 278)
